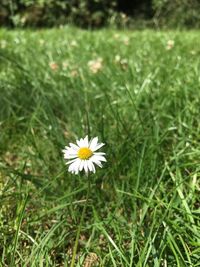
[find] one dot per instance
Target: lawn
(139, 92)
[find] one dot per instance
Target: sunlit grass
(141, 98)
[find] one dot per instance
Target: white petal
(71, 167)
(77, 166)
(69, 162)
(99, 153)
(93, 143)
(100, 158)
(98, 146)
(86, 144)
(75, 147)
(89, 165)
(80, 142)
(74, 167)
(97, 162)
(66, 149)
(70, 156)
(81, 165)
(93, 168)
(86, 166)
(70, 153)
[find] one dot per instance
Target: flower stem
(80, 225)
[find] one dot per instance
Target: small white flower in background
(3, 44)
(74, 73)
(126, 41)
(192, 52)
(95, 65)
(65, 64)
(117, 58)
(83, 155)
(53, 66)
(41, 42)
(116, 36)
(74, 43)
(170, 44)
(122, 61)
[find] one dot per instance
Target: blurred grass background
(139, 93)
(135, 85)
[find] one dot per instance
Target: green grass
(143, 207)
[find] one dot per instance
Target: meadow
(139, 92)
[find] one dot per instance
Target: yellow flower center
(84, 153)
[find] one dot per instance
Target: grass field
(140, 94)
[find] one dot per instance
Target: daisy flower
(83, 155)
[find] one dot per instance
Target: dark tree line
(98, 13)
